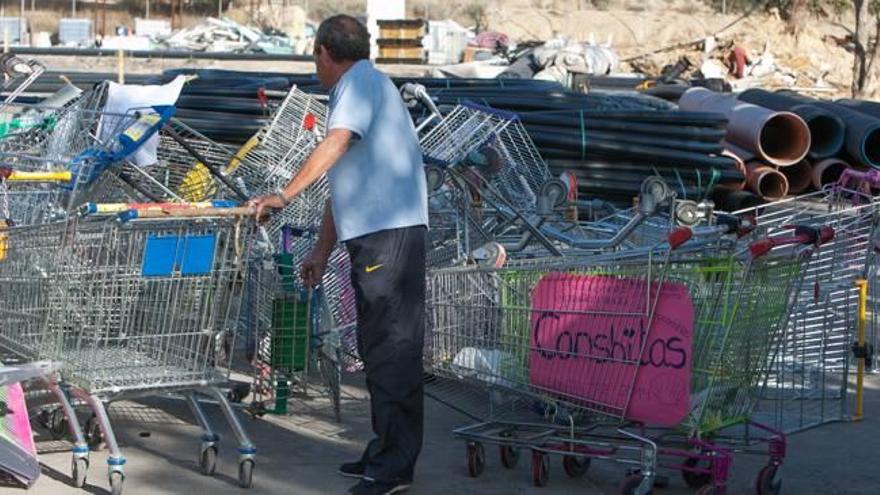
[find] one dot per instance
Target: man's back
(379, 183)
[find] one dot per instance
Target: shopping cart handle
(761, 247)
(872, 177)
(679, 236)
(812, 235)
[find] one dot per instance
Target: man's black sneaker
(372, 487)
(353, 469)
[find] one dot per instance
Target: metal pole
(73, 11)
(21, 24)
(861, 349)
(147, 13)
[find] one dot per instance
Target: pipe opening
(741, 200)
(772, 185)
(785, 139)
(799, 176)
(826, 135)
(871, 146)
(831, 172)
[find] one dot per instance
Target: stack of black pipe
(613, 142)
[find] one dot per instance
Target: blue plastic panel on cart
(165, 255)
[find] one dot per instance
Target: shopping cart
(491, 192)
(270, 159)
(28, 198)
(122, 335)
(86, 142)
(19, 74)
(296, 353)
(18, 454)
(562, 357)
(809, 377)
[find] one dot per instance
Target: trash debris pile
(225, 35)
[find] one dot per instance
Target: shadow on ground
(299, 454)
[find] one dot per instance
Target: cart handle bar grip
(802, 235)
(241, 211)
(113, 208)
(679, 236)
(21, 176)
(871, 177)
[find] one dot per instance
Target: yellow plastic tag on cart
(4, 240)
(136, 131)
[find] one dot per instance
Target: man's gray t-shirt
(379, 183)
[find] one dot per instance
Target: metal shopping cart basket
(121, 334)
(562, 357)
(808, 380)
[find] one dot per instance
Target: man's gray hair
(344, 37)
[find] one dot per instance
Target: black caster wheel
(769, 482)
(58, 424)
(116, 480)
(540, 468)
(208, 460)
(575, 466)
(476, 459)
(79, 469)
(93, 433)
(509, 456)
(631, 483)
(692, 479)
(246, 473)
(707, 490)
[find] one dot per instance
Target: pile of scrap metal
(225, 35)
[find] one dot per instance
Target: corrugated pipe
(799, 176)
(827, 171)
(862, 130)
(766, 181)
(779, 138)
(827, 130)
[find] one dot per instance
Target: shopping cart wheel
(693, 479)
(476, 459)
(208, 460)
(93, 433)
(57, 424)
(576, 466)
(632, 483)
(79, 469)
(540, 468)
(246, 473)
(769, 481)
(116, 480)
(509, 456)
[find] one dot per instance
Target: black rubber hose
(574, 137)
(708, 134)
(827, 130)
(700, 175)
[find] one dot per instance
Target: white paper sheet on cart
(125, 98)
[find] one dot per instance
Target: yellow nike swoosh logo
(373, 268)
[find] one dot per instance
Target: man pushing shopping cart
(378, 209)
